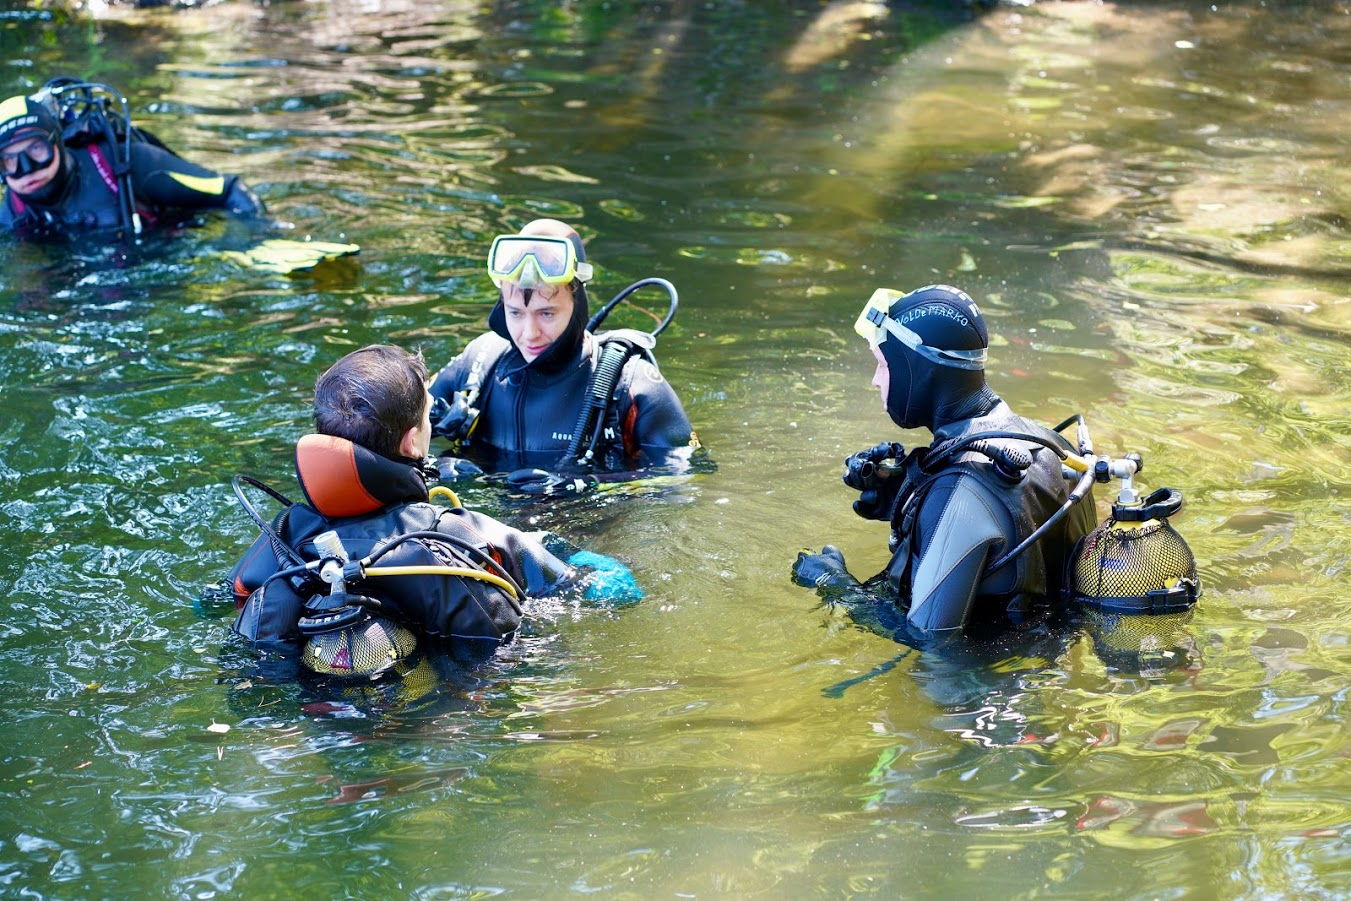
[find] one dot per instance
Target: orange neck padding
(343, 479)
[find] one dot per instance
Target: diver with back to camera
(992, 524)
(351, 577)
(542, 390)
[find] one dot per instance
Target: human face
(535, 326)
(424, 440)
(35, 148)
(417, 441)
(882, 377)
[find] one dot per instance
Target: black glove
(451, 468)
(540, 481)
(878, 485)
(452, 418)
(861, 471)
(815, 570)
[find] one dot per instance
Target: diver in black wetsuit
(987, 481)
(65, 183)
(362, 479)
(514, 395)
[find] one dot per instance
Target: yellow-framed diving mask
(876, 321)
(533, 260)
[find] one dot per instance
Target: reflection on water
(1148, 202)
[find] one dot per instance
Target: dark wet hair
(372, 397)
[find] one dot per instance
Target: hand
(861, 471)
(814, 570)
(540, 481)
(452, 468)
(452, 418)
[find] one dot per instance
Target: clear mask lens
(35, 153)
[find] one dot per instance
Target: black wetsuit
(369, 500)
(954, 516)
(84, 193)
(528, 411)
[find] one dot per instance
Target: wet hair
(372, 397)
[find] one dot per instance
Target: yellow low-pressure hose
(444, 571)
(1076, 462)
(443, 491)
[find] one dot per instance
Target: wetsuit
(970, 497)
(83, 196)
(369, 500)
(955, 514)
(528, 411)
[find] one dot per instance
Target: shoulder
(959, 513)
(955, 495)
(483, 350)
(480, 353)
(145, 153)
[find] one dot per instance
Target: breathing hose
(604, 311)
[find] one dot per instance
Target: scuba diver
(73, 163)
(368, 561)
(983, 519)
(542, 389)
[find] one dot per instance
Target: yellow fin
(283, 257)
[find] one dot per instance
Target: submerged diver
(96, 171)
(451, 574)
(518, 393)
(979, 491)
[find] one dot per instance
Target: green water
(1148, 200)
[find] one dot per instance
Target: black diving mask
(36, 153)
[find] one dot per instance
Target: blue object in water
(609, 580)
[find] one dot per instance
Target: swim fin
(285, 257)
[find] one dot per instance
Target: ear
(408, 445)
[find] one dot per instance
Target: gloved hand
(608, 579)
(452, 418)
(540, 481)
(878, 485)
(451, 468)
(815, 570)
(861, 471)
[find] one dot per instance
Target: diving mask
(532, 260)
(876, 320)
(27, 155)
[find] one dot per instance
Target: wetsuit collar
(342, 479)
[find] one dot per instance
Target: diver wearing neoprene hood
(959, 506)
(97, 171)
(513, 396)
